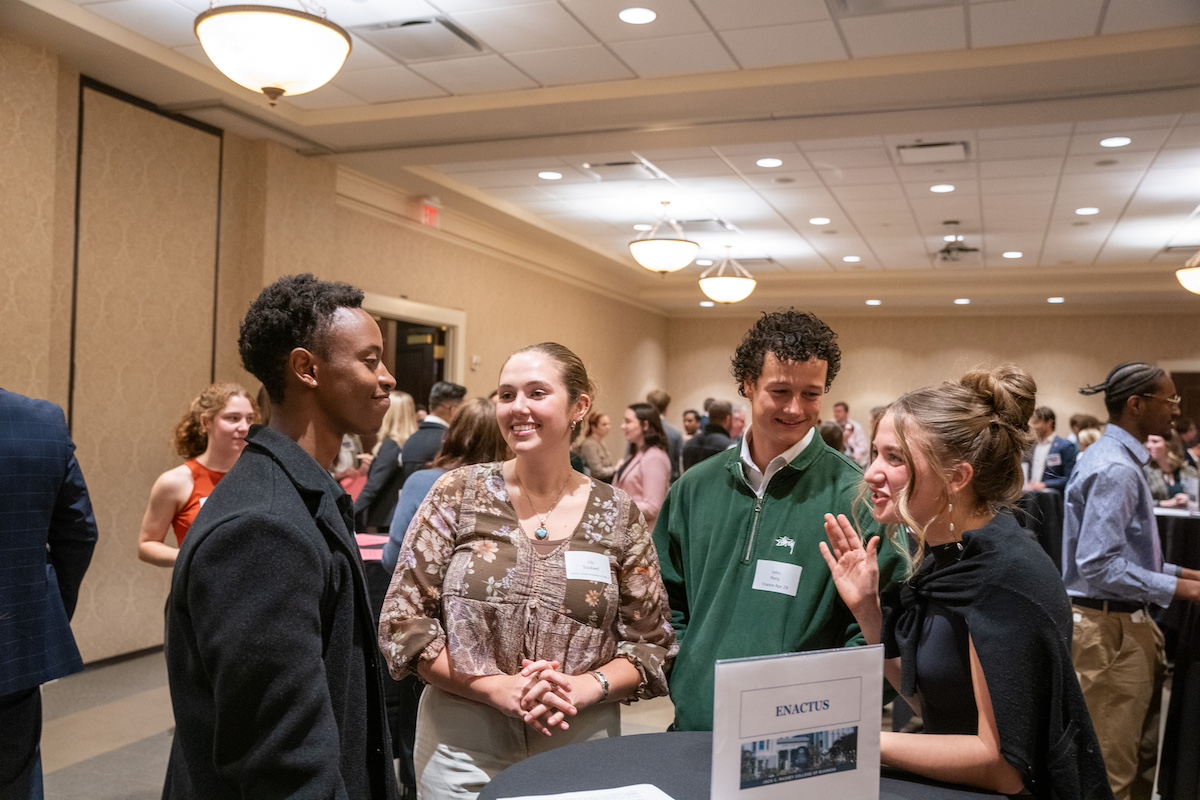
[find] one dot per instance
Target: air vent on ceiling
(424, 39)
(866, 8)
(932, 153)
(705, 226)
(1181, 249)
(621, 171)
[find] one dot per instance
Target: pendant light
(275, 51)
(1189, 276)
(667, 254)
(727, 288)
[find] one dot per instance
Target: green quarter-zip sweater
(713, 536)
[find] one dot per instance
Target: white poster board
(801, 725)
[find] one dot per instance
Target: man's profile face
(785, 401)
(691, 423)
(1042, 427)
(1157, 414)
(352, 382)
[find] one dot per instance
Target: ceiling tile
(675, 18)
(844, 159)
(1030, 147)
(1115, 182)
(1142, 15)
(858, 176)
(474, 75)
(591, 64)
(726, 16)
(387, 85)
(781, 45)
(654, 155)
(696, 167)
(1151, 139)
(370, 12)
(925, 31)
(1023, 186)
(1023, 21)
(1026, 167)
(1023, 131)
(1184, 136)
(461, 6)
(779, 149)
(543, 26)
(732, 183)
(328, 96)
(364, 56)
(852, 143)
(162, 21)
(681, 55)
(1124, 162)
(938, 173)
(783, 180)
(1170, 159)
(1114, 127)
(886, 191)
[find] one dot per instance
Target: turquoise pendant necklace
(541, 532)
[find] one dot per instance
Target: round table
(678, 763)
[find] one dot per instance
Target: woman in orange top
(210, 436)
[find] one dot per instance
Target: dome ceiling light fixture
(1189, 275)
(722, 288)
(667, 254)
(271, 50)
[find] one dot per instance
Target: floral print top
(468, 578)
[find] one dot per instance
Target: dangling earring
(950, 510)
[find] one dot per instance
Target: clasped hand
(548, 697)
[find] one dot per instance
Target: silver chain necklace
(541, 532)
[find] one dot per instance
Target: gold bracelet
(603, 681)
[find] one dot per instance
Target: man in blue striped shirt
(1113, 570)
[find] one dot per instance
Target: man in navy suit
(47, 533)
(422, 447)
(1052, 458)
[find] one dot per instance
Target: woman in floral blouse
(527, 596)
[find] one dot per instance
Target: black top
(712, 440)
(377, 501)
(275, 675)
(1008, 593)
(944, 663)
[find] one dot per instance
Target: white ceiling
(1030, 86)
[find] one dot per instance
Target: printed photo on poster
(805, 755)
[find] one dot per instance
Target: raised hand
(855, 572)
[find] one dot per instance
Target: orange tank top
(204, 480)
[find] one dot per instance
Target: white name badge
(585, 566)
(1054, 460)
(777, 576)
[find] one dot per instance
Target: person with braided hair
(977, 639)
(1113, 570)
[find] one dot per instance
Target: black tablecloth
(678, 763)
(1179, 769)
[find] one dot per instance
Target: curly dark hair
(294, 311)
(792, 336)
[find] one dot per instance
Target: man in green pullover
(737, 536)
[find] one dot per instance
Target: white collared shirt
(758, 481)
(434, 418)
(1040, 451)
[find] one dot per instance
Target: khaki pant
(1119, 660)
(461, 744)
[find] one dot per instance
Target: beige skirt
(462, 744)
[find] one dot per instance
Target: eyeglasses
(1175, 400)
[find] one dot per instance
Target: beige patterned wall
(883, 358)
(147, 250)
(29, 122)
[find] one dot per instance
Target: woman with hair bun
(210, 436)
(978, 639)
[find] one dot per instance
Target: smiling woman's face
(889, 478)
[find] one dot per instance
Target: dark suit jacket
(1060, 462)
(712, 440)
(674, 449)
(422, 447)
(275, 675)
(47, 533)
(377, 501)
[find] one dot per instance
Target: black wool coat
(271, 656)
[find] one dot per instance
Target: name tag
(1054, 460)
(777, 576)
(584, 566)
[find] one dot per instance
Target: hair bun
(1008, 390)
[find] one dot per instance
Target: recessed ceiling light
(874, 302)
(1087, 211)
(942, 188)
(704, 262)
(852, 259)
(637, 16)
(1115, 141)
(1012, 254)
(707, 304)
(550, 175)
(643, 226)
(949, 237)
(1056, 300)
(770, 163)
(819, 221)
(963, 301)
